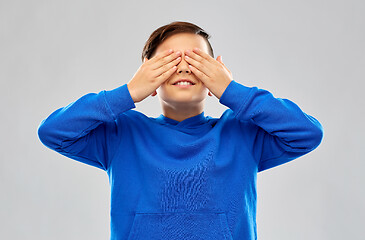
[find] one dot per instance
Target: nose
(183, 66)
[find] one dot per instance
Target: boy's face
(174, 95)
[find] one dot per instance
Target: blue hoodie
(188, 180)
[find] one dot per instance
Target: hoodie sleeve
(284, 133)
(86, 130)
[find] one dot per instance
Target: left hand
(213, 73)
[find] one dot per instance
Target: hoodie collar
(194, 121)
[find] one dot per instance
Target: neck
(182, 112)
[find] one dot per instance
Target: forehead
(183, 41)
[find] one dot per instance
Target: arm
(285, 132)
(87, 129)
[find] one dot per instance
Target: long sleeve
(284, 133)
(87, 129)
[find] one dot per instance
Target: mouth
(184, 83)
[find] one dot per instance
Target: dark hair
(163, 32)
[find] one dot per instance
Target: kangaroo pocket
(180, 226)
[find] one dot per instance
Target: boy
(182, 175)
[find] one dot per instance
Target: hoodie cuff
(119, 100)
(235, 95)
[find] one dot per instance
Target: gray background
(53, 52)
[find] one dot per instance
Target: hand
(213, 73)
(152, 73)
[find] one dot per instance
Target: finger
(194, 56)
(160, 56)
(203, 77)
(198, 65)
(219, 59)
(203, 54)
(165, 60)
(165, 75)
(167, 66)
(208, 63)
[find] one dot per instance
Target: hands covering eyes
(213, 73)
(155, 71)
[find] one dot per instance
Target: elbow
(315, 133)
(44, 134)
(310, 139)
(316, 137)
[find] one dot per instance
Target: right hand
(152, 73)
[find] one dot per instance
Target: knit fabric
(188, 180)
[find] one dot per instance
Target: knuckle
(163, 75)
(163, 61)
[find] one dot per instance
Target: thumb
(219, 59)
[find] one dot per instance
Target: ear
(144, 60)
